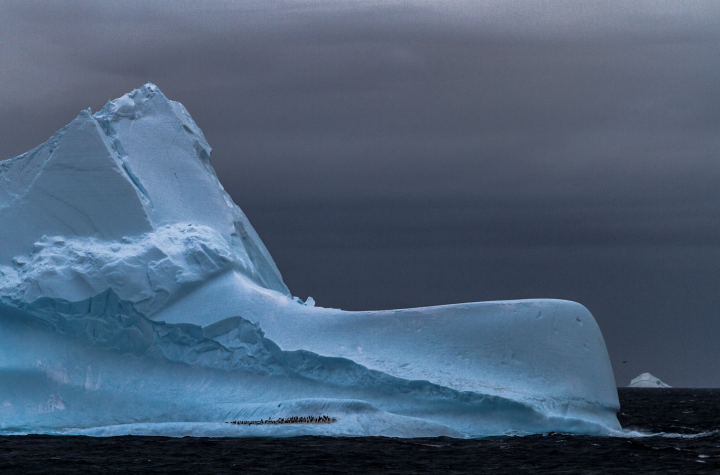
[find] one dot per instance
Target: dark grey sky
(395, 154)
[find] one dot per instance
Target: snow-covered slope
(135, 297)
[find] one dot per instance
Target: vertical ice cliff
(135, 297)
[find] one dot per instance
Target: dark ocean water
(686, 424)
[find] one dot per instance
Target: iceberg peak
(137, 165)
(132, 103)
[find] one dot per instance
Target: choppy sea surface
(666, 431)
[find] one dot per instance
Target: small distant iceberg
(137, 298)
(647, 380)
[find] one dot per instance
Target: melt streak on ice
(136, 298)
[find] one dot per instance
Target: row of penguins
(289, 420)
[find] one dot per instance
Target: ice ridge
(150, 269)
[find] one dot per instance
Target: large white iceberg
(135, 297)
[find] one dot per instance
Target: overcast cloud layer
(419, 153)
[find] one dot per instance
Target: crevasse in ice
(136, 298)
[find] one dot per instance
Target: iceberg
(136, 298)
(647, 380)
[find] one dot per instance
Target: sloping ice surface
(135, 297)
